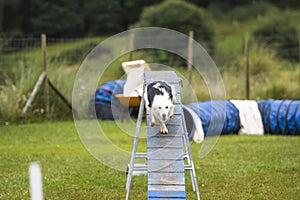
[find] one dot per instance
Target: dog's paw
(164, 130)
(170, 116)
(152, 123)
(174, 99)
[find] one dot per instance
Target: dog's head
(162, 106)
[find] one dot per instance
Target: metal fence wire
(21, 53)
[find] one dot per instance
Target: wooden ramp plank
(161, 166)
(172, 142)
(166, 178)
(165, 152)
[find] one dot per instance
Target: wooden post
(131, 44)
(299, 60)
(46, 90)
(246, 51)
(62, 97)
(32, 95)
(190, 56)
(190, 59)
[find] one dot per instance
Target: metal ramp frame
(168, 156)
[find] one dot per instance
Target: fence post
(190, 58)
(32, 95)
(299, 60)
(246, 51)
(44, 55)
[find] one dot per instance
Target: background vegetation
(79, 18)
(273, 28)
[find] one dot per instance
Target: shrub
(180, 16)
(242, 11)
(279, 33)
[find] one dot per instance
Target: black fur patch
(152, 91)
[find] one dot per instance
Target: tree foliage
(181, 16)
(78, 18)
(74, 18)
(63, 18)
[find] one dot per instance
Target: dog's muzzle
(164, 116)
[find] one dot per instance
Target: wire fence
(19, 54)
(274, 70)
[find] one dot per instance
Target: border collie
(159, 98)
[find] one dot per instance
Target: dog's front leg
(152, 122)
(171, 112)
(163, 128)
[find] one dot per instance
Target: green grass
(239, 167)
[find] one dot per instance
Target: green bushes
(278, 32)
(14, 94)
(181, 16)
(243, 12)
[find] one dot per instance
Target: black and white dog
(159, 98)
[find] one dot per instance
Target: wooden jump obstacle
(166, 154)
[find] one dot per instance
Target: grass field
(239, 167)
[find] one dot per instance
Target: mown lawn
(239, 167)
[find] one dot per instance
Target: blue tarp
(280, 116)
(214, 119)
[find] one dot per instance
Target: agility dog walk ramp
(168, 155)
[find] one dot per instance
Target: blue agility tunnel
(104, 99)
(212, 115)
(280, 116)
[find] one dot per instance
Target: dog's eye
(167, 107)
(159, 107)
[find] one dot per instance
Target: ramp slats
(166, 188)
(166, 178)
(160, 166)
(174, 131)
(172, 142)
(165, 152)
